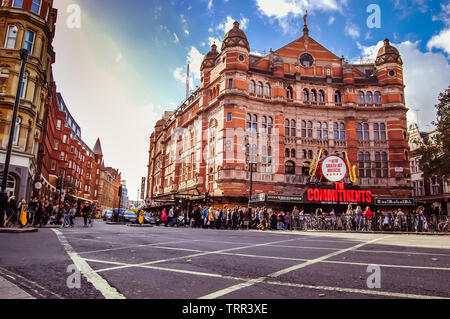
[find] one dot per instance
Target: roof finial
(305, 25)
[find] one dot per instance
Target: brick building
(66, 156)
(30, 25)
(277, 111)
(108, 190)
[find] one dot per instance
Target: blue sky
(127, 62)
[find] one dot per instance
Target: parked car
(107, 215)
(130, 216)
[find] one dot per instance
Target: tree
(434, 153)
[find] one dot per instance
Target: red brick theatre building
(278, 112)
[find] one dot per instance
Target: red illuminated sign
(339, 195)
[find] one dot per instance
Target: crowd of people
(352, 219)
(42, 212)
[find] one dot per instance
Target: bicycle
(444, 225)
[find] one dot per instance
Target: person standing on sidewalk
(86, 213)
(72, 214)
(295, 218)
(66, 218)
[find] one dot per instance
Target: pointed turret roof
(98, 148)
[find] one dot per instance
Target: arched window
(313, 96)
(361, 99)
(381, 165)
(289, 168)
(289, 93)
(267, 90)
(293, 153)
(362, 131)
(269, 125)
(259, 89)
(287, 153)
(310, 154)
(264, 124)
(379, 132)
(305, 154)
(305, 95)
(252, 86)
(364, 164)
(369, 96)
(293, 128)
(304, 133)
(17, 131)
(321, 96)
(310, 129)
(255, 123)
(23, 87)
(11, 37)
(325, 130)
(249, 122)
(287, 127)
(319, 130)
(337, 97)
(377, 97)
(339, 131)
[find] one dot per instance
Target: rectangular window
(229, 117)
(36, 6)
(58, 124)
(56, 145)
(11, 37)
(29, 41)
(64, 140)
(230, 83)
(53, 165)
(17, 3)
(63, 155)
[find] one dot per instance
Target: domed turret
(210, 58)
(388, 54)
(235, 37)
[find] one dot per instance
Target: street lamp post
(249, 213)
(4, 197)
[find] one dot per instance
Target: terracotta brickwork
(279, 110)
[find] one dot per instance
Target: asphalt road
(117, 261)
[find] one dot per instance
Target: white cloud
(331, 20)
(195, 59)
(426, 74)
(186, 32)
(228, 24)
(210, 4)
(352, 30)
(176, 38)
(286, 11)
(440, 41)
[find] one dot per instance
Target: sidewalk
(18, 230)
(8, 290)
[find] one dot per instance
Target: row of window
(259, 88)
(11, 38)
(369, 98)
(35, 5)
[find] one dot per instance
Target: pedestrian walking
(86, 210)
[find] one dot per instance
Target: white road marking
(226, 291)
(97, 281)
(356, 291)
(194, 255)
(133, 246)
(316, 260)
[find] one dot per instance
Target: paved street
(118, 261)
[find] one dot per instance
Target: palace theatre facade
(276, 114)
